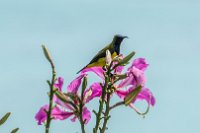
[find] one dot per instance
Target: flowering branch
(128, 86)
(51, 86)
(106, 93)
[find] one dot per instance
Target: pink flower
(86, 115)
(95, 90)
(145, 94)
(140, 63)
(73, 88)
(75, 84)
(59, 83)
(62, 110)
(41, 116)
(56, 114)
(97, 70)
(135, 78)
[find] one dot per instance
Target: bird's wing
(101, 53)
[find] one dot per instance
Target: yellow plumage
(113, 47)
(101, 61)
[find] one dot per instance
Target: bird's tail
(81, 70)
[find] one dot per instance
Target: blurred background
(165, 32)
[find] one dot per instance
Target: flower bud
(108, 57)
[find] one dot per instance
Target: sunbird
(99, 58)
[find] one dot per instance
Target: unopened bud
(108, 57)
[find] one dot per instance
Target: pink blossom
(75, 84)
(97, 70)
(95, 90)
(62, 110)
(135, 77)
(140, 63)
(59, 83)
(86, 115)
(73, 88)
(145, 94)
(41, 116)
(56, 114)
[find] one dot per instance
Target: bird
(99, 58)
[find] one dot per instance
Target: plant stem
(50, 101)
(107, 111)
(105, 93)
(82, 122)
(98, 115)
(51, 85)
(117, 104)
(106, 115)
(82, 127)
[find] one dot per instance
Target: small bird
(113, 47)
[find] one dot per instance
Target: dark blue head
(117, 41)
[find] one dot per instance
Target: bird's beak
(125, 37)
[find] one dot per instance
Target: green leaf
(4, 118)
(15, 130)
(61, 96)
(132, 95)
(84, 85)
(70, 95)
(122, 76)
(126, 59)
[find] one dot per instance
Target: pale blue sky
(165, 32)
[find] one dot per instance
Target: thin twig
(116, 105)
(82, 122)
(51, 85)
(101, 103)
(106, 115)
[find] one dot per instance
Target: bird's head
(118, 39)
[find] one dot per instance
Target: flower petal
(135, 78)
(86, 115)
(56, 114)
(140, 63)
(59, 114)
(41, 115)
(97, 70)
(59, 83)
(74, 119)
(95, 90)
(130, 80)
(74, 85)
(119, 69)
(122, 94)
(146, 95)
